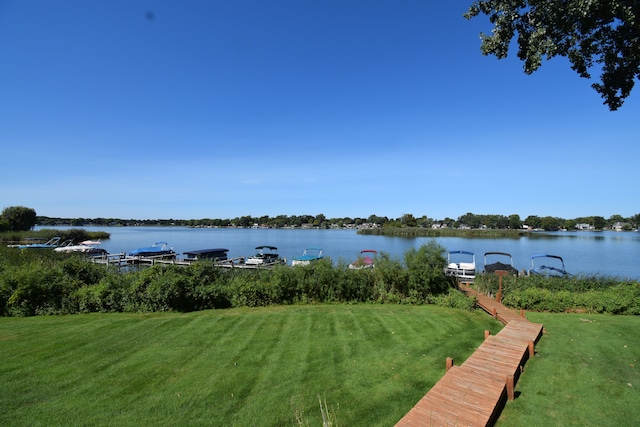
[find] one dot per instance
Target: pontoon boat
(309, 255)
(461, 265)
(217, 254)
(367, 259)
(264, 255)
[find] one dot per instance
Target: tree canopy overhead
(593, 34)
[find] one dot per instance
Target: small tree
(514, 222)
(426, 270)
(19, 218)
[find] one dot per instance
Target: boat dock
(474, 393)
(123, 260)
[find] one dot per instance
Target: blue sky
(218, 109)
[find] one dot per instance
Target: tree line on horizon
(468, 220)
(20, 218)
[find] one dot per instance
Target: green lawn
(268, 366)
(585, 373)
(237, 367)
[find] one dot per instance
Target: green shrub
(425, 268)
(252, 292)
(163, 288)
(44, 282)
(391, 280)
(454, 299)
(36, 290)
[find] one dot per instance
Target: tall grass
(590, 294)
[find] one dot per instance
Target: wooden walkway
(474, 393)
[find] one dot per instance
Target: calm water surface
(608, 253)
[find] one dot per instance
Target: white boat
(265, 255)
(367, 259)
(86, 246)
(308, 256)
(461, 265)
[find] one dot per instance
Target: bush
(454, 299)
(44, 282)
(391, 280)
(37, 290)
(425, 267)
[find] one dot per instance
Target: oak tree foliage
(595, 35)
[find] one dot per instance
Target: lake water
(608, 252)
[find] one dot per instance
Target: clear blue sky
(218, 109)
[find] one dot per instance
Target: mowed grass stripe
(586, 372)
(239, 367)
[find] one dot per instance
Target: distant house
(584, 227)
(620, 226)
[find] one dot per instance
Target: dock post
(532, 349)
(500, 274)
(510, 388)
(486, 333)
(449, 363)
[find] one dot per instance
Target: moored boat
(50, 244)
(158, 249)
(87, 246)
(461, 265)
(215, 254)
(552, 265)
(367, 259)
(265, 255)
(309, 255)
(499, 265)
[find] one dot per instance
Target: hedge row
(591, 294)
(44, 283)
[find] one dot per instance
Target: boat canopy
(497, 253)
(495, 266)
(207, 251)
(546, 256)
(461, 252)
(158, 248)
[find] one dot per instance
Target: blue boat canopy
(461, 252)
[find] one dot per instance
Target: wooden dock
(474, 393)
(123, 260)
